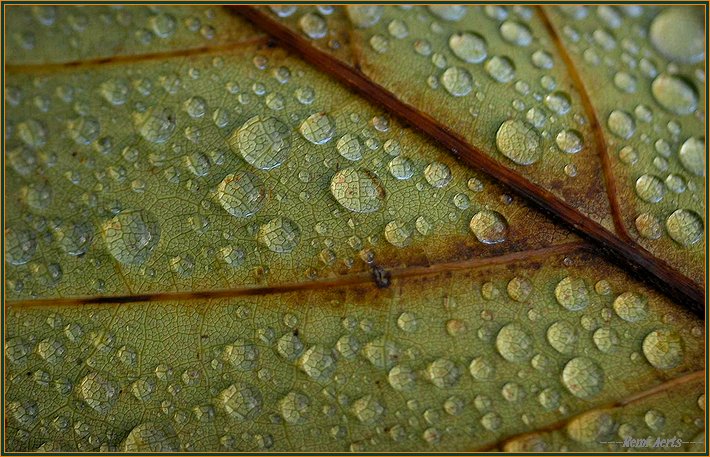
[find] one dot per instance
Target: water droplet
(491, 421)
(519, 288)
(318, 363)
(367, 409)
(98, 392)
(348, 346)
(583, 377)
(591, 427)
(358, 190)
(514, 344)
(443, 373)
(685, 227)
(349, 147)
(195, 107)
(516, 33)
(451, 13)
(518, 141)
(562, 336)
(481, 369)
(241, 354)
(606, 339)
(692, 155)
(313, 25)
(115, 91)
(630, 306)
(650, 188)
(294, 407)
(280, 235)
(457, 81)
(382, 353)
(621, 124)
(364, 16)
(131, 236)
(648, 226)
(679, 34)
(655, 420)
(437, 174)
(84, 130)
(500, 68)
(398, 234)
(468, 46)
(675, 94)
(318, 128)
(569, 141)
(663, 349)
(401, 378)
(156, 125)
(264, 143)
(241, 401)
(150, 437)
(398, 29)
(489, 227)
(289, 346)
(241, 194)
(401, 168)
(572, 293)
(33, 133)
(407, 322)
(20, 246)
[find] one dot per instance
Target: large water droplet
(583, 377)
(621, 124)
(663, 349)
(518, 141)
(155, 125)
(562, 336)
(650, 188)
(443, 373)
(151, 437)
(516, 33)
(489, 227)
(280, 235)
(398, 234)
(450, 13)
(241, 401)
(692, 155)
(468, 46)
(20, 246)
(679, 34)
(349, 147)
(630, 306)
(318, 128)
(648, 226)
(263, 142)
(591, 427)
(294, 407)
(241, 194)
(364, 16)
(569, 141)
(401, 168)
(358, 190)
(98, 392)
(514, 344)
(500, 68)
(318, 363)
(685, 227)
(675, 94)
(131, 236)
(313, 25)
(367, 409)
(241, 354)
(457, 81)
(572, 293)
(437, 174)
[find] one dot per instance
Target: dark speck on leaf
(382, 277)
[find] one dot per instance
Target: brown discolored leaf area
(354, 228)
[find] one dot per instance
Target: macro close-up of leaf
(356, 228)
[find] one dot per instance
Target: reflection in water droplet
(685, 227)
(358, 190)
(663, 349)
(401, 168)
(241, 194)
(457, 81)
(489, 227)
(650, 188)
(514, 344)
(468, 46)
(280, 235)
(318, 128)
(562, 336)
(630, 307)
(131, 236)
(583, 378)
(675, 94)
(569, 141)
(437, 174)
(692, 155)
(678, 33)
(621, 124)
(264, 142)
(518, 141)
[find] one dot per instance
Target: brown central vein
(609, 181)
(664, 387)
(633, 257)
(356, 279)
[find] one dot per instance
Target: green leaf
(212, 246)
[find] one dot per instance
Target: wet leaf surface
(211, 245)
